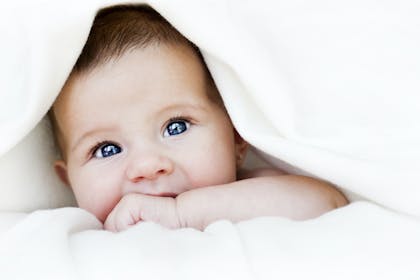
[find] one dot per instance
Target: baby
(144, 135)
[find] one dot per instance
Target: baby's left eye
(176, 127)
(106, 149)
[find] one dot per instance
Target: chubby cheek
(214, 165)
(95, 193)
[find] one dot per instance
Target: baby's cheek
(213, 174)
(94, 192)
(96, 199)
(101, 206)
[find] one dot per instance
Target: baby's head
(140, 113)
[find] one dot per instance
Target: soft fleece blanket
(324, 88)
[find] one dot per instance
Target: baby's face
(142, 124)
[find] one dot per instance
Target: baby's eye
(106, 150)
(176, 127)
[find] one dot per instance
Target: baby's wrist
(190, 211)
(182, 210)
(198, 208)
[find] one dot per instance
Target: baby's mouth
(165, 194)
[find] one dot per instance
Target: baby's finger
(120, 219)
(110, 225)
(124, 221)
(110, 222)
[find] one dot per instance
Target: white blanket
(345, 244)
(324, 88)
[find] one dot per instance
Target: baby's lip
(164, 194)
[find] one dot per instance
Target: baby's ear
(60, 168)
(241, 147)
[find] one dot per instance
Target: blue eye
(106, 150)
(176, 127)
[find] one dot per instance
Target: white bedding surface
(324, 88)
(356, 242)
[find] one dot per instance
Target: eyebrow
(173, 107)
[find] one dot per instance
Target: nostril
(138, 179)
(161, 171)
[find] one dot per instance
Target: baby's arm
(294, 197)
(290, 196)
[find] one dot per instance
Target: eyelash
(177, 118)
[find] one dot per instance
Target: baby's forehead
(184, 52)
(110, 74)
(183, 49)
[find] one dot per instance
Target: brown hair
(118, 29)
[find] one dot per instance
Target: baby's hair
(118, 29)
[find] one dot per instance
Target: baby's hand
(134, 208)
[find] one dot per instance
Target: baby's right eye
(103, 150)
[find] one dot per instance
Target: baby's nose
(149, 168)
